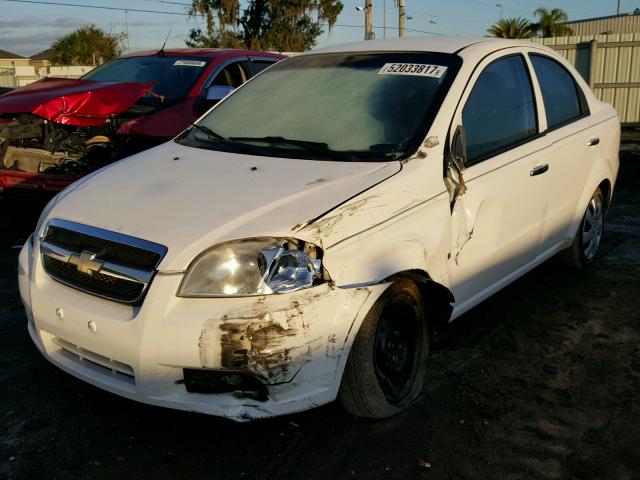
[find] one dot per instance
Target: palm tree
(550, 22)
(511, 28)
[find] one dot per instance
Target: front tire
(587, 240)
(386, 366)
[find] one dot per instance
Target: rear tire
(386, 366)
(588, 238)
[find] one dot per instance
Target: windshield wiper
(210, 133)
(216, 138)
(318, 148)
(304, 144)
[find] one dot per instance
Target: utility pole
(401, 17)
(368, 20)
(126, 23)
(499, 5)
(384, 19)
(618, 9)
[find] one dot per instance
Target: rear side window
(231, 76)
(259, 65)
(563, 101)
(500, 112)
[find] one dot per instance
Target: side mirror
(210, 97)
(218, 92)
(459, 148)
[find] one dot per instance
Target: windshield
(173, 76)
(340, 106)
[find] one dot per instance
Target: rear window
(259, 65)
(563, 100)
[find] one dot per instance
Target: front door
(497, 222)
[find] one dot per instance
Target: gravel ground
(540, 381)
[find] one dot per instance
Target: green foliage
(549, 22)
(79, 47)
(511, 28)
(281, 25)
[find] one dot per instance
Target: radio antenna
(161, 51)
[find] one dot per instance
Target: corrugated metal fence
(611, 66)
(24, 75)
(603, 25)
(7, 78)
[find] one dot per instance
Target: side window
(562, 101)
(233, 75)
(259, 65)
(500, 112)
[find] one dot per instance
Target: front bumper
(296, 344)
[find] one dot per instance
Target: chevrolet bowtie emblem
(86, 262)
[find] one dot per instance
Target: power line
(97, 7)
(458, 19)
(61, 4)
(171, 3)
(388, 27)
(478, 2)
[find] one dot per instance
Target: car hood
(190, 199)
(73, 101)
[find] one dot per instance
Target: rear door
(574, 146)
(258, 64)
(498, 221)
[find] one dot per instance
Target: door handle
(540, 169)
(593, 142)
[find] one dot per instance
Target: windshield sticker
(190, 63)
(418, 69)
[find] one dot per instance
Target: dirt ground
(540, 381)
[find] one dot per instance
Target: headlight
(252, 267)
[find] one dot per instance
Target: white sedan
(306, 237)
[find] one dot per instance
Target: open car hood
(74, 102)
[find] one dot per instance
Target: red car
(56, 130)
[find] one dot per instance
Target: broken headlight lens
(252, 267)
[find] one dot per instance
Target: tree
(550, 22)
(282, 25)
(88, 44)
(511, 28)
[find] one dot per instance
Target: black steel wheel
(385, 369)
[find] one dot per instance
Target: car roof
(202, 53)
(425, 44)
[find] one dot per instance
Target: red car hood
(73, 102)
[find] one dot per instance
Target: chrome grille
(116, 252)
(100, 262)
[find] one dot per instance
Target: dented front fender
(300, 339)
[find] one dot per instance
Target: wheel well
(438, 298)
(605, 186)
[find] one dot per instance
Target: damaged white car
(307, 236)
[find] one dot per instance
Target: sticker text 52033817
(419, 69)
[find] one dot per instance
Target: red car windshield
(173, 76)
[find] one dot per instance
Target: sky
(28, 28)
